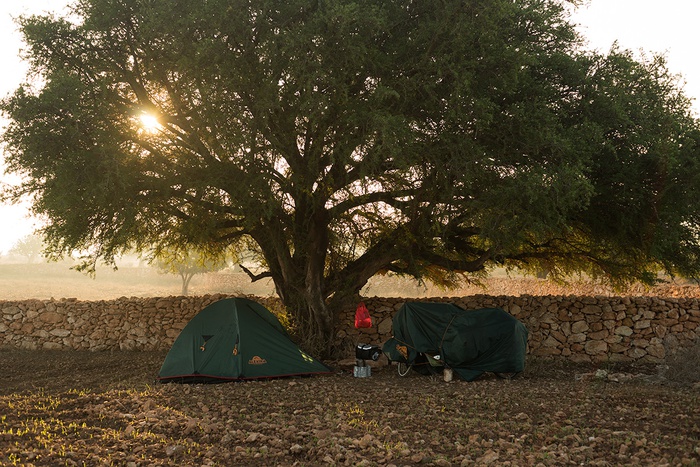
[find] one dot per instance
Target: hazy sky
(668, 27)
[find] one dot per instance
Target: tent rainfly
(470, 342)
(232, 340)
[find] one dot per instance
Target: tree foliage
(340, 139)
(29, 246)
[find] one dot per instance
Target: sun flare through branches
(149, 123)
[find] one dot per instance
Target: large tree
(341, 139)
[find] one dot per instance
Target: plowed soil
(81, 408)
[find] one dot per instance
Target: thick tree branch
(255, 277)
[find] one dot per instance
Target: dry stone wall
(121, 324)
(582, 329)
(578, 328)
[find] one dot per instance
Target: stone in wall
(624, 331)
(384, 327)
(596, 348)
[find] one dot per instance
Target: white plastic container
(447, 374)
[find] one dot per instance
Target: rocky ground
(80, 408)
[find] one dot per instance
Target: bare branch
(255, 277)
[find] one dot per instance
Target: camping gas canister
(361, 370)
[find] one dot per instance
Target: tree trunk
(313, 323)
(186, 278)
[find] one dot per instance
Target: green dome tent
(470, 342)
(235, 339)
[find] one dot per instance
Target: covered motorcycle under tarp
(470, 342)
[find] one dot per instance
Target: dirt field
(81, 408)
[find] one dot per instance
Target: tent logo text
(257, 361)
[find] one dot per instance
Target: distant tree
(349, 138)
(186, 264)
(30, 246)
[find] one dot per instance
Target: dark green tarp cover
(470, 342)
(235, 339)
